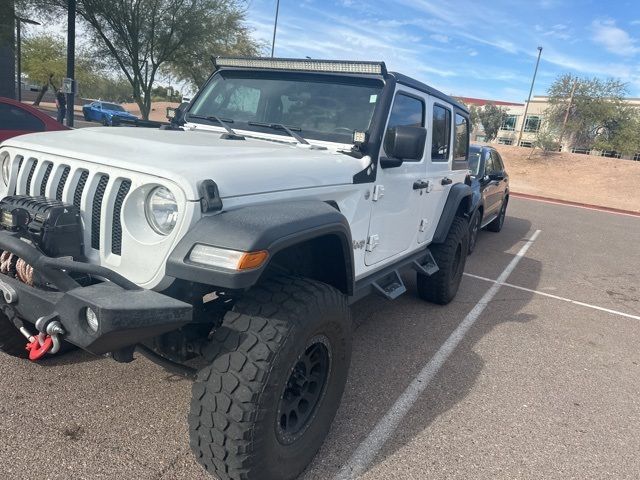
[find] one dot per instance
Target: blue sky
(464, 47)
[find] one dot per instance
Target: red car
(17, 118)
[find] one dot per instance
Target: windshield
(474, 161)
(112, 106)
(319, 107)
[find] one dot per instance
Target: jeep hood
(239, 167)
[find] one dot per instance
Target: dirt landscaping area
(607, 182)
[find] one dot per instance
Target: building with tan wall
(509, 133)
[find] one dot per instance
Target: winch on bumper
(125, 314)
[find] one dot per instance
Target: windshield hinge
(210, 200)
(378, 192)
(372, 242)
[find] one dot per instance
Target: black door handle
(420, 184)
(446, 181)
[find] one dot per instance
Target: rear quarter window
(15, 118)
(462, 138)
(441, 137)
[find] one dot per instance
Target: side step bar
(390, 286)
(388, 282)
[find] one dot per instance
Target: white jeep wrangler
(230, 249)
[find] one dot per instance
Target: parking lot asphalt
(536, 387)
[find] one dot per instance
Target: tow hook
(47, 341)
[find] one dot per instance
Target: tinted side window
(406, 111)
(441, 134)
(497, 162)
(489, 166)
(462, 138)
(14, 118)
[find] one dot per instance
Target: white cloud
(613, 38)
(438, 37)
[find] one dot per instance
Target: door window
(441, 137)
(406, 111)
(489, 167)
(14, 118)
(497, 162)
(462, 138)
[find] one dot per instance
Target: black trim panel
(457, 195)
(270, 227)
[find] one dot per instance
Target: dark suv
(490, 187)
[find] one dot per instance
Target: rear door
(492, 189)
(440, 139)
(396, 206)
(502, 184)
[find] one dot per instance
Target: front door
(395, 214)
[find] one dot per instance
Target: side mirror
(404, 143)
(497, 177)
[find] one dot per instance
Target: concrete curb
(540, 198)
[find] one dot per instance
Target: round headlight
(161, 210)
(6, 164)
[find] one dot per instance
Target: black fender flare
(272, 227)
(460, 197)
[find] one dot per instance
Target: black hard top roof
(411, 82)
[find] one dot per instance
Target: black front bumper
(127, 314)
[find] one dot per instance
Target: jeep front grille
(89, 190)
(116, 231)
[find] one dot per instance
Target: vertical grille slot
(116, 229)
(30, 176)
(77, 195)
(45, 179)
(96, 210)
(15, 189)
(62, 182)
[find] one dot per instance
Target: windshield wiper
(231, 134)
(279, 126)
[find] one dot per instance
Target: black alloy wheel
(474, 229)
(304, 389)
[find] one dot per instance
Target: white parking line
(564, 299)
(368, 449)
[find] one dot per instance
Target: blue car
(104, 112)
(490, 191)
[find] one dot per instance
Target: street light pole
(19, 22)
(526, 108)
(71, 58)
(275, 26)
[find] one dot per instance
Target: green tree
(474, 116)
(585, 109)
(227, 35)
(620, 133)
(491, 118)
(143, 36)
(44, 62)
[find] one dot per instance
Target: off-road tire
(474, 229)
(11, 340)
(450, 256)
(105, 122)
(233, 421)
(498, 222)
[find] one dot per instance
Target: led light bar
(304, 65)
